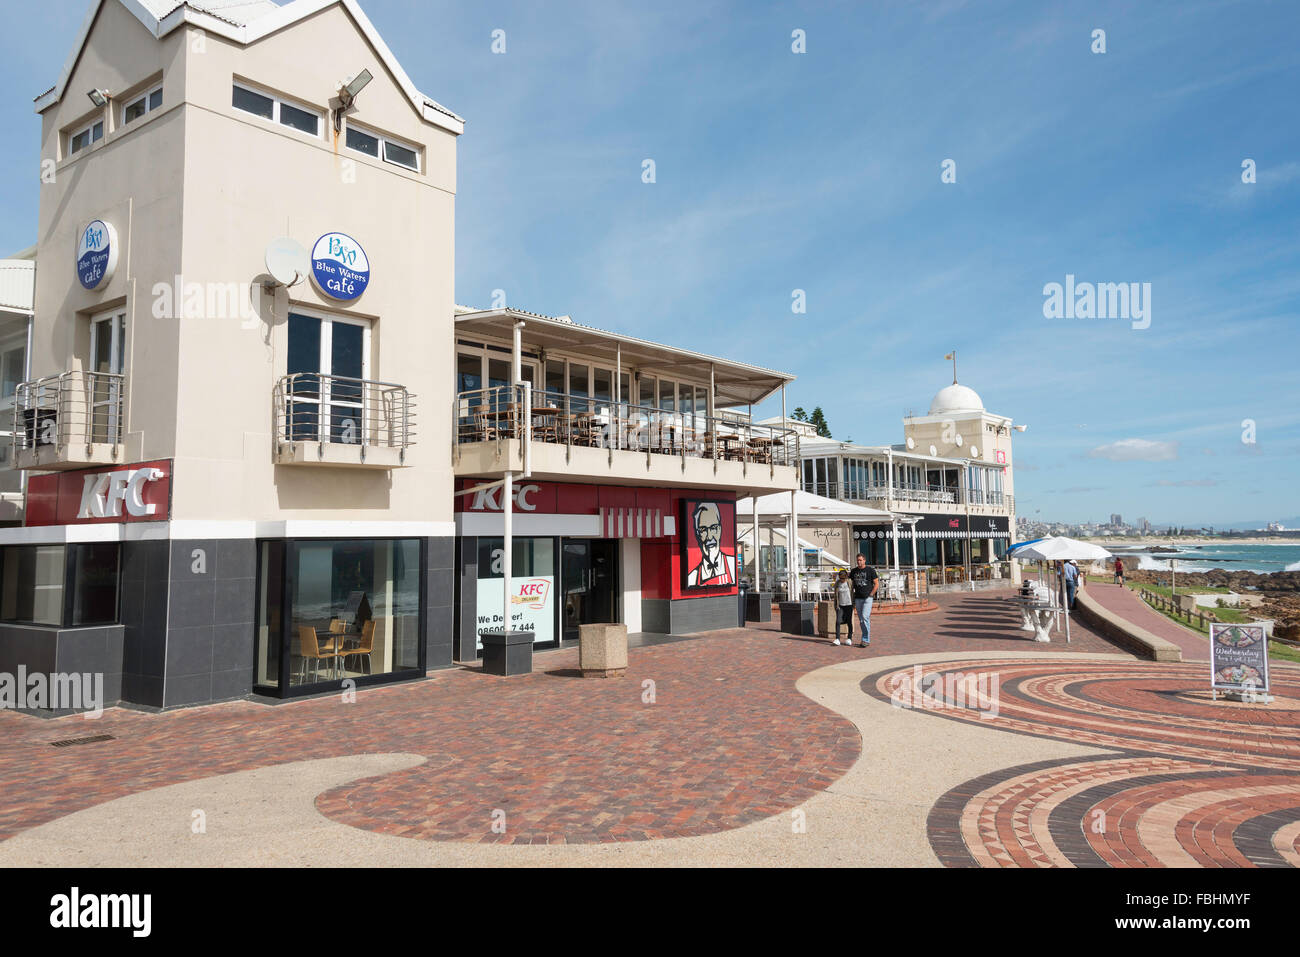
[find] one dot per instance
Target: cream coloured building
(255, 442)
(217, 460)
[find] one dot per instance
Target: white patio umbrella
(1058, 548)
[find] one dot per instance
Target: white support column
(916, 577)
(894, 527)
(616, 413)
(792, 549)
(507, 561)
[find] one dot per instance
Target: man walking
(865, 582)
(1071, 583)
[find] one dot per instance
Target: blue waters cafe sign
(340, 267)
(97, 254)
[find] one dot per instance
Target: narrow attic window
(383, 147)
(141, 105)
(92, 133)
(277, 110)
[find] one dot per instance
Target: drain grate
(69, 742)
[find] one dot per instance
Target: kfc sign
(130, 493)
(105, 494)
(489, 499)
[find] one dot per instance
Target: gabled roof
(245, 22)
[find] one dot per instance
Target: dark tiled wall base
(687, 615)
(65, 651)
(465, 646)
(441, 619)
(209, 639)
(143, 613)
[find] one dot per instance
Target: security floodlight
(348, 91)
(355, 85)
(1021, 428)
(98, 97)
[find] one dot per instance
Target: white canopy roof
(1059, 548)
(811, 508)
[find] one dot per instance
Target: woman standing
(843, 606)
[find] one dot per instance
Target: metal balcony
(583, 435)
(69, 420)
(342, 422)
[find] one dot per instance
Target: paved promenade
(743, 747)
(1129, 606)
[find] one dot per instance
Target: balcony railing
(342, 411)
(903, 492)
(70, 409)
(497, 414)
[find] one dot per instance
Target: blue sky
(820, 171)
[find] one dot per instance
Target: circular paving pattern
(1193, 782)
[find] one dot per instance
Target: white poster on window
(532, 606)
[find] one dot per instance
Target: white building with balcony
(953, 469)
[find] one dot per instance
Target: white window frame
(115, 321)
(77, 131)
(324, 400)
(146, 96)
(276, 100)
(384, 139)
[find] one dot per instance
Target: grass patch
(1283, 652)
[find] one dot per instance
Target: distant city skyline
(921, 179)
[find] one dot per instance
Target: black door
(590, 575)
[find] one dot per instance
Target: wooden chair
(367, 644)
(309, 649)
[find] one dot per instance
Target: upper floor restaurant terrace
(596, 405)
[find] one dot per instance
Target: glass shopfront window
(66, 586)
(532, 583)
(335, 609)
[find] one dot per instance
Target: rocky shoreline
(1280, 592)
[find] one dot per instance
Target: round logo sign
(340, 267)
(96, 254)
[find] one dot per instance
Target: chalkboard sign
(1238, 658)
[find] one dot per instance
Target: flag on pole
(948, 356)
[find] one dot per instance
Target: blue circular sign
(96, 254)
(340, 267)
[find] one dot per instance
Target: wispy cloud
(1136, 450)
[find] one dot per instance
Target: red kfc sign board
(126, 493)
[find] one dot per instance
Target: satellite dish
(933, 450)
(974, 451)
(960, 443)
(287, 262)
(911, 442)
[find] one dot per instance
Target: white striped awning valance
(632, 522)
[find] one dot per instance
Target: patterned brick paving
(1195, 782)
(727, 741)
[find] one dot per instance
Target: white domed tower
(958, 426)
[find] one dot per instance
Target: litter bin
(742, 591)
(507, 653)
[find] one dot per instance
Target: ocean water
(1229, 557)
